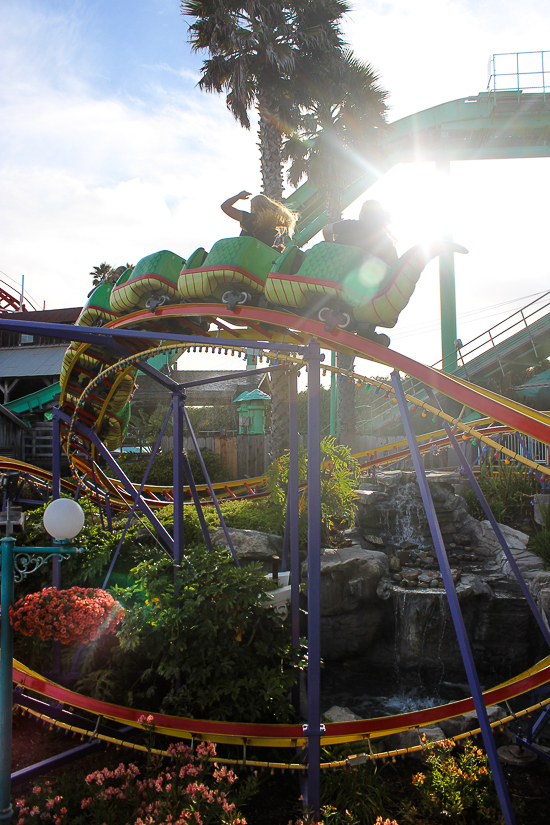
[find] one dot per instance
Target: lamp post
(63, 519)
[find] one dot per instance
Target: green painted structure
(488, 126)
(251, 407)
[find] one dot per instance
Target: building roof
(48, 316)
(254, 395)
(219, 392)
(27, 361)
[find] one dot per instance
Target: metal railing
(491, 338)
(501, 331)
(519, 72)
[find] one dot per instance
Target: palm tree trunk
(279, 414)
(270, 141)
(333, 203)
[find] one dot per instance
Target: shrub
(221, 654)
(457, 788)
(509, 491)
(339, 478)
(193, 788)
(162, 469)
(540, 545)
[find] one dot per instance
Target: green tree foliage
(339, 478)
(509, 491)
(101, 273)
(219, 653)
(162, 472)
(456, 788)
(256, 49)
(342, 120)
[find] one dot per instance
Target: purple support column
(177, 421)
(454, 605)
(210, 488)
(56, 493)
(313, 358)
(126, 483)
(56, 482)
(197, 501)
(292, 504)
(494, 524)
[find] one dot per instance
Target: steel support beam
(454, 605)
(313, 358)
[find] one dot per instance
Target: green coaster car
(152, 283)
(346, 287)
(234, 272)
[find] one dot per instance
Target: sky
(110, 152)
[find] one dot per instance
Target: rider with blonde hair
(268, 221)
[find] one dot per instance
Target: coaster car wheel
(156, 301)
(233, 297)
(333, 318)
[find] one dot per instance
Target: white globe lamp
(63, 519)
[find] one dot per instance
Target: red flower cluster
(79, 614)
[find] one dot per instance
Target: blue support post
(6, 679)
(56, 493)
(494, 524)
(210, 488)
(196, 501)
(135, 504)
(292, 505)
(454, 605)
(126, 483)
(313, 358)
(177, 422)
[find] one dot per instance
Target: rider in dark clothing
(370, 233)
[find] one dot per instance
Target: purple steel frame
(313, 357)
(533, 729)
(454, 605)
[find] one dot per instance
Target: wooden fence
(245, 456)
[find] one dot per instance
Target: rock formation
(383, 604)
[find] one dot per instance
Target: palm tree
(342, 124)
(256, 48)
(105, 271)
(100, 273)
(343, 118)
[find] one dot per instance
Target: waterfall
(403, 518)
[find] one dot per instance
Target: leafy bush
(339, 478)
(457, 789)
(357, 792)
(78, 614)
(220, 654)
(540, 545)
(162, 471)
(509, 491)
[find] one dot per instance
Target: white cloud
(111, 159)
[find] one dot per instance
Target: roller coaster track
(270, 735)
(253, 323)
(241, 325)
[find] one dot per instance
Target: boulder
(250, 544)
(340, 714)
(351, 612)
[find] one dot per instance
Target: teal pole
(447, 291)
(333, 398)
(6, 679)
(9, 570)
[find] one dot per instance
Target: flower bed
(79, 614)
